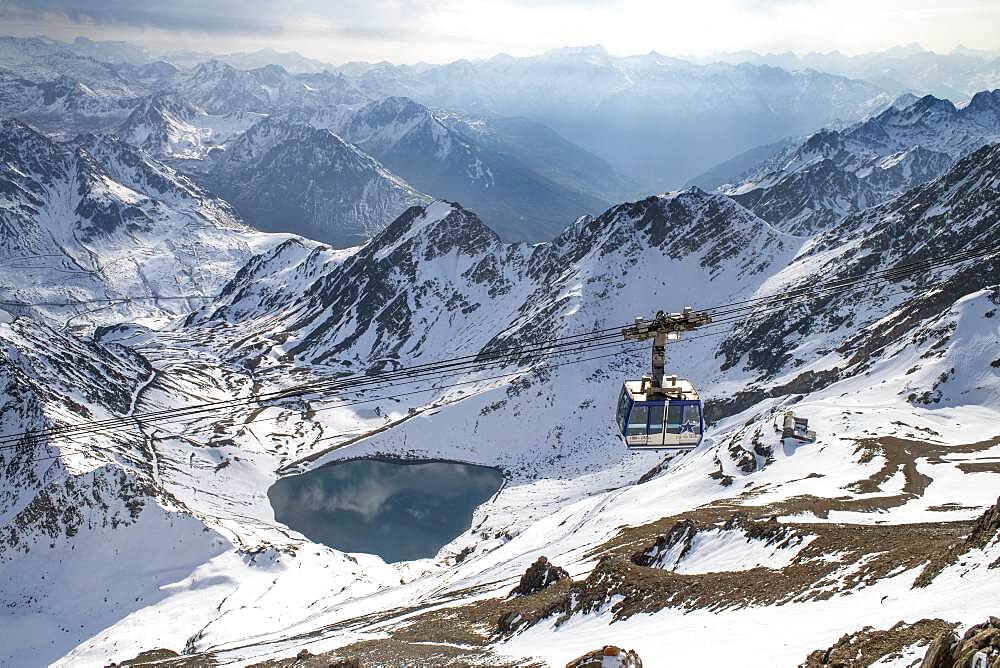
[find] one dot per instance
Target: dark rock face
(608, 655)
(817, 197)
(684, 531)
(510, 623)
(986, 528)
(147, 657)
(539, 575)
(950, 651)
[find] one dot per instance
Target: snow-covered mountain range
(408, 139)
(915, 356)
(635, 125)
(809, 186)
(137, 275)
(180, 115)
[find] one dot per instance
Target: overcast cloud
(443, 30)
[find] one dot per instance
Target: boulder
(539, 575)
(950, 651)
(608, 656)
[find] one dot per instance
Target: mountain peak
(397, 105)
(903, 101)
(586, 50)
(985, 100)
(440, 227)
(931, 103)
(21, 142)
(288, 176)
(920, 109)
(272, 70)
(904, 50)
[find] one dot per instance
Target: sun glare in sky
(409, 31)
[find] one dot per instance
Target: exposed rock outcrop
(661, 554)
(608, 656)
(539, 575)
(652, 556)
(870, 645)
(948, 651)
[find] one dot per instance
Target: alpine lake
(398, 509)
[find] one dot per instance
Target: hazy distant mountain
(292, 61)
(956, 75)
(660, 119)
(988, 54)
(730, 171)
(122, 52)
(41, 60)
(549, 154)
(286, 177)
(518, 202)
(220, 88)
(111, 51)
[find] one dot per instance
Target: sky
(407, 31)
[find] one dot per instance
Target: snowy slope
(876, 395)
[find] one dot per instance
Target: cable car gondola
(659, 412)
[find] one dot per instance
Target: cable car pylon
(660, 412)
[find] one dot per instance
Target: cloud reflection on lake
(398, 510)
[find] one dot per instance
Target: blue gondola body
(658, 422)
(661, 412)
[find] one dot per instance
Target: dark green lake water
(397, 510)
